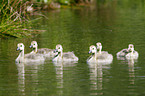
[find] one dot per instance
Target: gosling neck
(132, 50)
(100, 49)
(20, 58)
(60, 54)
(21, 54)
(94, 55)
(34, 50)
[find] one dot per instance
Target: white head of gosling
(59, 49)
(131, 48)
(99, 46)
(93, 57)
(20, 47)
(34, 45)
(92, 49)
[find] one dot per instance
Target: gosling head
(99, 45)
(33, 44)
(131, 47)
(58, 48)
(20, 47)
(92, 49)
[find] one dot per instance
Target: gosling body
(99, 58)
(42, 51)
(27, 58)
(64, 56)
(132, 53)
(128, 53)
(122, 53)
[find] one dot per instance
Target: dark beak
(89, 52)
(17, 49)
(31, 46)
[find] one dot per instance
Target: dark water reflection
(114, 23)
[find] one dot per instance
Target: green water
(114, 23)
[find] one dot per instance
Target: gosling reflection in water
(59, 76)
(59, 67)
(96, 78)
(21, 78)
(27, 73)
(130, 63)
(131, 70)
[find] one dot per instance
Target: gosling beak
(55, 51)
(89, 52)
(17, 49)
(31, 46)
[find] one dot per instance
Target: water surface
(114, 23)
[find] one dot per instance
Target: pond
(114, 23)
